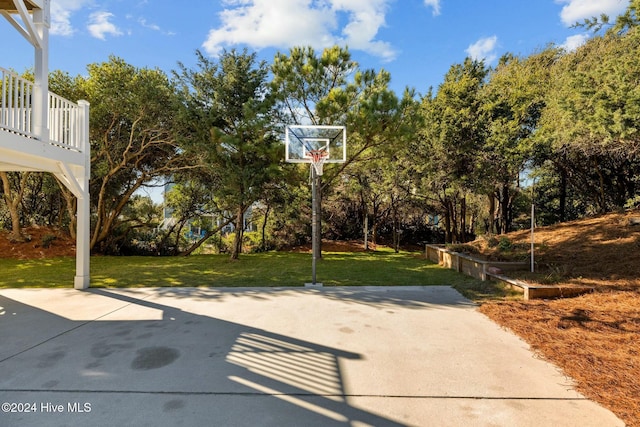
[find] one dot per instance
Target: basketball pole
(314, 224)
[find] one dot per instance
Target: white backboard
(300, 139)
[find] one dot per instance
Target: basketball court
(353, 356)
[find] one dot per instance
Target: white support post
(83, 225)
(82, 278)
(41, 74)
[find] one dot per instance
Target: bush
(463, 248)
(505, 245)
(47, 239)
(492, 241)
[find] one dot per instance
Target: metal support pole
(314, 225)
(533, 224)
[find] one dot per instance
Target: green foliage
(458, 153)
(589, 129)
(492, 241)
(303, 81)
(463, 248)
(449, 147)
(227, 118)
(505, 244)
(47, 239)
(132, 140)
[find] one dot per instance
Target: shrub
(492, 241)
(505, 245)
(463, 248)
(47, 239)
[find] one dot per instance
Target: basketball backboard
(301, 140)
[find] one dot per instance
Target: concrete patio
(357, 356)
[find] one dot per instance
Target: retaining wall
(482, 269)
(467, 264)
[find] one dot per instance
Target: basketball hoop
(317, 159)
(315, 144)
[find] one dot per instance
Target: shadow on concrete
(145, 363)
(375, 296)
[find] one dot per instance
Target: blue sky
(416, 40)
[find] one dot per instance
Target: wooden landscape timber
(492, 270)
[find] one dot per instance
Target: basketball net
(317, 159)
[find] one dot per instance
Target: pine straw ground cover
(594, 338)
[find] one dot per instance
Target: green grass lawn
(264, 269)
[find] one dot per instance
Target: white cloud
(99, 25)
(145, 24)
(435, 4)
(483, 49)
(578, 10)
(574, 42)
(61, 12)
(286, 23)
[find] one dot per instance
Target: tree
(304, 80)
(590, 126)
(13, 191)
(513, 99)
(132, 140)
(380, 126)
(450, 143)
(227, 117)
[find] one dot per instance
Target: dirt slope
(41, 242)
(594, 338)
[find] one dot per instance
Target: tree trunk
(491, 229)
(238, 234)
(13, 203)
(472, 223)
(263, 242)
(463, 219)
(447, 222)
(71, 205)
(562, 210)
(208, 234)
(365, 232)
(396, 231)
(505, 208)
(374, 233)
(455, 237)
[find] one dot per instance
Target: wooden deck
(52, 139)
(10, 7)
(22, 145)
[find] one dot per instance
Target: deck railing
(16, 113)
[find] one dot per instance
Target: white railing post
(83, 143)
(16, 103)
(20, 111)
(64, 126)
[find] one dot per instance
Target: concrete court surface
(385, 356)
